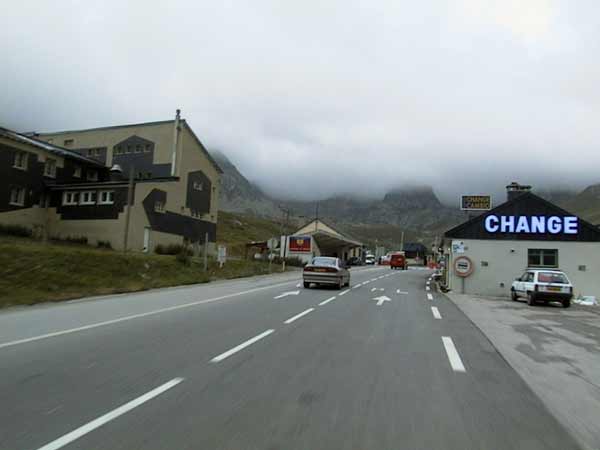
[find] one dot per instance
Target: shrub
(172, 249)
(184, 257)
(104, 244)
(15, 230)
(290, 261)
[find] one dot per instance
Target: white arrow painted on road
(285, 294)
(381, 300)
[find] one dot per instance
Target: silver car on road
(326, 270)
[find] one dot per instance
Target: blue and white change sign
(532, 224)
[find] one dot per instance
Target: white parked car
(543, 285)
(370, 260)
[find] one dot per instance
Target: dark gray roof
(60, 151)
(414, 247)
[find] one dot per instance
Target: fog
(316, 98)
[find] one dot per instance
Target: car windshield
(552, 277)
(324, 262)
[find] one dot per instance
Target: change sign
(475, 202)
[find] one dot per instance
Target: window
(68, 142)
(106, 198)
(50, 168)
(77, 172)
(148, 175)
(70, 198)
(138, 148)
(129, 149)
(198, 186)
(552, 277)
(92, 175)
(20, 160)
(147, 148)
(87, 198)
(159, 207)
(542, 257)
(17, 196)
(117, 150)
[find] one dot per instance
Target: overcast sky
(319, 97)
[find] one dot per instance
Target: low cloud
(327, 97)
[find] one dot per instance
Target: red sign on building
(300, 244)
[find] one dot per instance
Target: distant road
(263, 363)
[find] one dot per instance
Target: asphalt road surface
(264, 364)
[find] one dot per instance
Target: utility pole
(402, 242)
(286, 214)
(316, 216)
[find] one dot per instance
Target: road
(387, 364)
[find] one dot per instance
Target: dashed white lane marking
(242, 346)
(373, 279)
(428, 283)
(344, 292)
(324, 302)
(453, 356)
(356, 286)
(436, 312)
(91, 426)
(398, 291)
(297, 316)
(429, 297)
(427, 288)
(373, 289)
(137, 316)
(299, 284)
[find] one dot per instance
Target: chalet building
(78, 184)
(485, 254)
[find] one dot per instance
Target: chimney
(514, 189)
(176, 131)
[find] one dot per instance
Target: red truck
(398, 261)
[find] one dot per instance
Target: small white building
(524, 232)
(316, 238)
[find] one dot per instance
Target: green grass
(235, 230)
(33, 272)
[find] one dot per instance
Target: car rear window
(552, 277)
(324, 262)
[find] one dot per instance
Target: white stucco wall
(505, 265)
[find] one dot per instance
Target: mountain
(238, 195)
(415, 210)
(586, 204)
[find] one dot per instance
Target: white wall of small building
(507, 260)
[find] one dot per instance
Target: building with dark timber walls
(61, 184)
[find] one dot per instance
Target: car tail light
(331, 270)
(309, 269)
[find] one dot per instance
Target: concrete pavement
(232, 366)
(555, 350)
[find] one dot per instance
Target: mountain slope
(586, 204)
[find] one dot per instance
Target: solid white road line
(429, 297)
(453, 356)
(344, 292)
(324, 302)
(91, 426)
(242, 346)
(436, 312)
(136, 316)
(297, 316)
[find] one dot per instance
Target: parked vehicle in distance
(543, 285)
(370, 260)
(355, 261)
(385, 260)
(398, 261)
(326, 270)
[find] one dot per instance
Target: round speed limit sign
(463, 266)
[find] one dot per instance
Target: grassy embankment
(32, 272)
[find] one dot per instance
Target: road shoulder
(556, 352)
